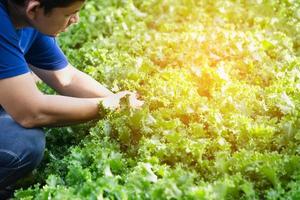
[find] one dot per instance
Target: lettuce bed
(221, 120)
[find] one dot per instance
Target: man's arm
(69, 81)
(20, 97)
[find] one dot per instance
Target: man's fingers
(111, 103)
(134, 102)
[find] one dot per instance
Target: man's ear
(32, 8)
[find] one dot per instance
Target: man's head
(49, 16)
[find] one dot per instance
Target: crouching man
(27, 44)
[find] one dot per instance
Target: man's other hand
(113, 101)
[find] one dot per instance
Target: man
(27, 44)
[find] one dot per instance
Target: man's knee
(33, 148)
(22, 152)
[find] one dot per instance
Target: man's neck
(17, 15)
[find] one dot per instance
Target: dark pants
(21, 149)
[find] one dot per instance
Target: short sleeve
(46, 54)
(12, 61)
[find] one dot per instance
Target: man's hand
(113, 101)
(134, 102)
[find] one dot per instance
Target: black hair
(48, 5)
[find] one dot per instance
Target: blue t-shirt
(20, 47)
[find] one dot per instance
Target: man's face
(58, 20)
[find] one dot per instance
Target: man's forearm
(55, 110)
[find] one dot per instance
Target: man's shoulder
(9, 32)
(8, 29)
(18, 38)
(2, 4)
(3, 12)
